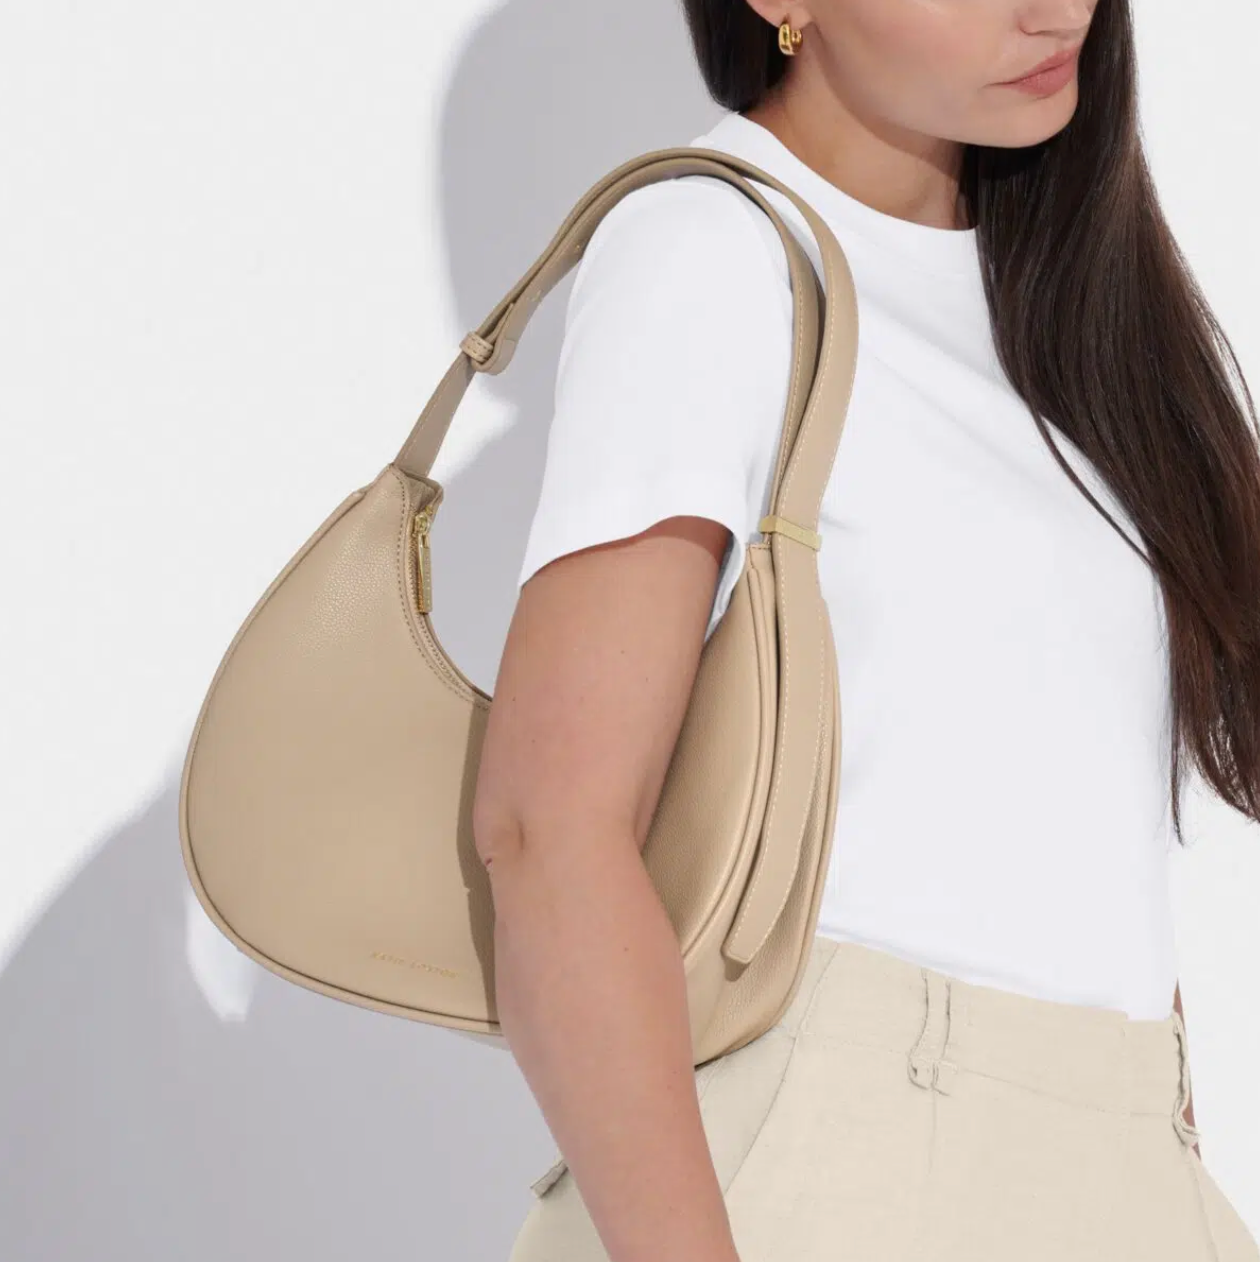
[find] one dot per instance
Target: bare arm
(1189, 1113)
(592, 689)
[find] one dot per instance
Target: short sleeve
(672, 377)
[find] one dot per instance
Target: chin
(1027, 121)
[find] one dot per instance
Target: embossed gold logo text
(428, 968)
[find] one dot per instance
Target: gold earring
(789, 40)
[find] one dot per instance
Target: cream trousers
(898, 1114)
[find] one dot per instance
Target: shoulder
(695, 234)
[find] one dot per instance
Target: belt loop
(924, 1062)
(1188, 1134)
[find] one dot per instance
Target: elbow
(498, 834)
(537, 856)
(517, 888)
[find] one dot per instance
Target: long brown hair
(1103, 331)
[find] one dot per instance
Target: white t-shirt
(1004, 809)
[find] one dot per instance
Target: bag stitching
(798, 343)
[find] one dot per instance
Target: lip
(1052, 62)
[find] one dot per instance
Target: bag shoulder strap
(823, 359)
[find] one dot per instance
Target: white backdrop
(238, 246)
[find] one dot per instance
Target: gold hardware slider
(420, 524)
(771, 524)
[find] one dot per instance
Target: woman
(1041, 557)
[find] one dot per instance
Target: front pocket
(840, 1164)
(1230, 1236)
(740, 1099)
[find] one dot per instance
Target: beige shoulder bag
(326, 794)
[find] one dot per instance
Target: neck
(903, 174)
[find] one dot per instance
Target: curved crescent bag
(325, 802)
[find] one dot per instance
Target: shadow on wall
(161, 1096)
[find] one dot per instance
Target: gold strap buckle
(771, 524)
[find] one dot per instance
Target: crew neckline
(942, 249)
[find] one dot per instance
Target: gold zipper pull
(420, 524)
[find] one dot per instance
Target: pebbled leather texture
(325, 802)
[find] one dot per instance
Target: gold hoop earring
(789, 39)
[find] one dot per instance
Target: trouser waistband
(1081, 1054)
